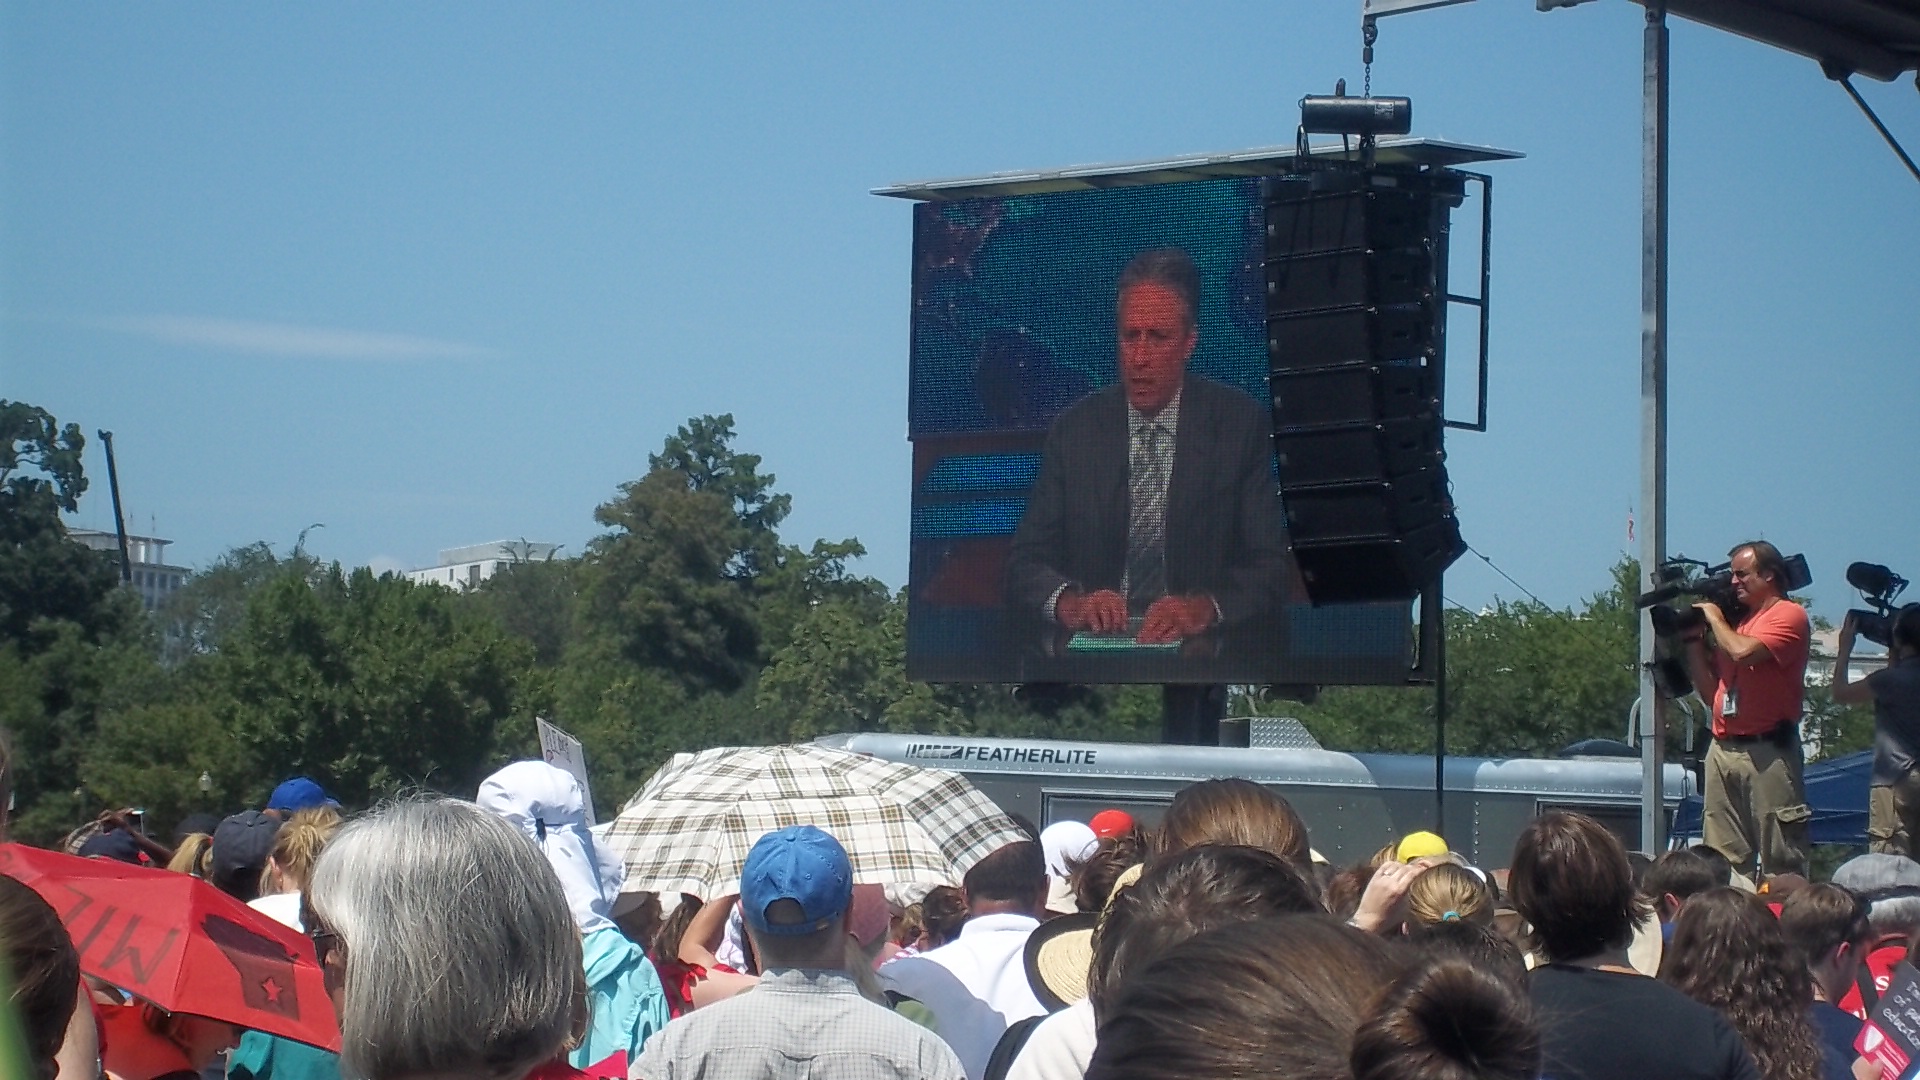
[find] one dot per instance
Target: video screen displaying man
(1095, 493)
(1155, 514)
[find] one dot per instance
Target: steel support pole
(1653, 409)
(1440, 713)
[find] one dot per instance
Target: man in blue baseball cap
(299, 793)
(808, 1016)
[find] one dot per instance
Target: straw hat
(1060, 950)
(1057, 956)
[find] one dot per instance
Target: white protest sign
(562, 751)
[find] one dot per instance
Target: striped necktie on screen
(1147, 468)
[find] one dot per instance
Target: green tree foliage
(664, 583)
(46, 579)
(371, 685)
(1523, 679)
(54, 700)
(536, 601)
(196, 618)
(72, 646)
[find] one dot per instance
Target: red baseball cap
(1111, 823)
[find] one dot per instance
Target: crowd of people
(491, 939)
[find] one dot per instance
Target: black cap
(197, 822)
(111, 844)
(241, 845)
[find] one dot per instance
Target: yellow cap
(1419, 845)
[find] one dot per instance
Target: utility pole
(1653, 411)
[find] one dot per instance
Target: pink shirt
(1772, 690)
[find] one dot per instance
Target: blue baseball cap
(299, 793)
(798, 863)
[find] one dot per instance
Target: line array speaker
(1356, 337)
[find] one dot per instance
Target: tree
(45, 577)
(702, 453)
(843, 670)
(692, 579)
(71, 642)
(1524, 679)
(662, 582)
(196, 618)
(371, 685)
(535, 601)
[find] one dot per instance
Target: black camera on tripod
(1878, 586)
(1681, 577)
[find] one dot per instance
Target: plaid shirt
(796, 1025)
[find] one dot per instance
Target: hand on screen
(1174, 618)
(1102, 612)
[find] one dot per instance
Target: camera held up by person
(1679, 580)
(1879, 586)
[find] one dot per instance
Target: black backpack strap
(1869, 993)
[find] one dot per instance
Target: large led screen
(1094, 489)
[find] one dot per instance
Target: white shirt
(283, 908)
(976, 985)
(1060, 1048)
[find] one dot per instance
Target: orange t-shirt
(1772, 690)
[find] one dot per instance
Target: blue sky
(434, 274)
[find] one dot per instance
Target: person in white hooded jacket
(624, 994)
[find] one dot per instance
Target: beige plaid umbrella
(690, 827)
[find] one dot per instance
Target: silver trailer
(1353, 803)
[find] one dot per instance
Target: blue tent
(1837, 791)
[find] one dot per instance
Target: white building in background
(466, 567)
(153, 577)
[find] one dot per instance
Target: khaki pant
(1893, 816)
(1756, 806)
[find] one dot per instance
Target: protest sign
(563, 751)
(1891, 1036)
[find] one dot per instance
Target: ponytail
(194, 856)
(1448, 1020)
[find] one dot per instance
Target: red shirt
(1772, 690)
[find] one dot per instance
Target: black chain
(1369, 33)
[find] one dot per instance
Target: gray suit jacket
(1224, 537)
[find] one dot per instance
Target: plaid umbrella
(690, 827)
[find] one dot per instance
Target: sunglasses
(324, 942)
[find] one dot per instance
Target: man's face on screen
(1157, 336)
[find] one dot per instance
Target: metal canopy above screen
(1876, 38)
(1260, 161)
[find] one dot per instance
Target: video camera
(1878, 586)
(1683, 577)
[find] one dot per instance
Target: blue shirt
(624, 995)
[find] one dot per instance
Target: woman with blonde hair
(296, 847)
(194, 855)
(294, 850)
(1449, 892)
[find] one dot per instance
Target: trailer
(1352, 803)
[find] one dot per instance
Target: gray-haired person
(807, 1017)
(447, 943)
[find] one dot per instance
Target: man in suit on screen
(1156, 498)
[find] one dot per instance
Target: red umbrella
(182, 944)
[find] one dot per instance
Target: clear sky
(435, 274)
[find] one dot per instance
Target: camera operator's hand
(1849, 629)
(1716, 619)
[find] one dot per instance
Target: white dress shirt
(975, 985)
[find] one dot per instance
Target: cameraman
(1755, 675)
(1893, 816)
